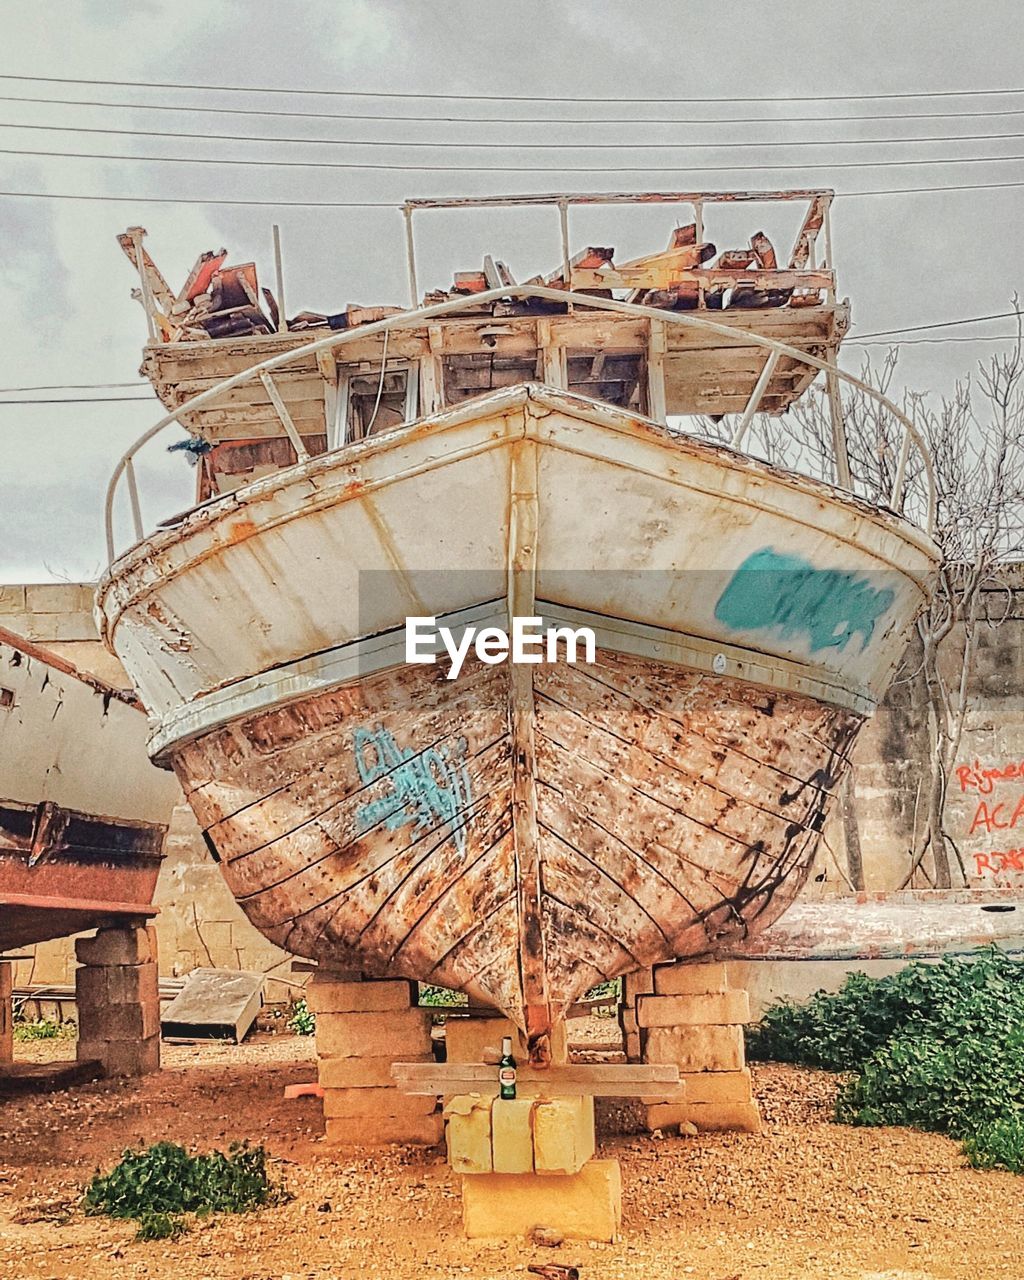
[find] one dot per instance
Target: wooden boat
(83, 813)
(521, 832)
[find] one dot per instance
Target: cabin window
(368, 407)
(466, 376)
(615, 376)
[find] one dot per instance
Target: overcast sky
(65, 287)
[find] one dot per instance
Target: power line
(920, 342)
(83, 400)
(511, 168)
(396, 205)
(512, 146)
(274, 204)
(942, 324)
(71, 386)
(511, 120)
(508, 97)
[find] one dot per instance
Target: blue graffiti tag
(787, 594)
(424, 788)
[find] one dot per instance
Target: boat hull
(391, 825)
(83, 812)
(568, 823)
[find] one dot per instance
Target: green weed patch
(161, 1185)
(936, 1046)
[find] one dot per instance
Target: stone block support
(473, 1039)
(118, 1000)
(528, 1162)
(633, 985)
(688, 1015)
(6, 1012)
(362, 1027)
(579, 1206)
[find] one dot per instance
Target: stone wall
(985, 813)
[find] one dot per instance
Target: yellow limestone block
(563, 1135)
(325, 996)
(362, 1073)
(512, 1135)
(118, 946)
(697, 1048)
(405, 1032)
(469, 1133)
(359, 1104)
(690, 979)
(721, 1008)
(717, 1086)
(467, 1039)
(381, 1131)
(640, 983)
(715, 1101)
(579, 1206)
(725, 1117)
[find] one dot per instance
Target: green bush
(159, 1185)
(432, 997)
(303, 1020)
(43, 1029)
(934, 1046)
(998, 1144)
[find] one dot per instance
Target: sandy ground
(809, 1199)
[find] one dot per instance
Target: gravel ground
(809, 1199)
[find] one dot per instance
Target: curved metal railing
(413, 319)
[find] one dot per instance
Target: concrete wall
(985, 815)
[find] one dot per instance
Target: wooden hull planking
(377, 824)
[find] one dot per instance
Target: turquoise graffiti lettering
(424, 788)
(786, 594)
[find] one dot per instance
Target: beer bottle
(507, 1070)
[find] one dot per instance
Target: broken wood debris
(223, 301)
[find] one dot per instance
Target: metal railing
(912, 437)
(817, 217)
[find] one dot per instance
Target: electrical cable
(511, 120)
(513, 146)
(509, 97)
(396, 205)
(512, 168)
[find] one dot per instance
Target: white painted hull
(246, 589)
(83, 812)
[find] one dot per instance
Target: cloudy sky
(69, 321)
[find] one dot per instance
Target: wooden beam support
(756, 396)
(524, 521)
(656, 402)
(553, 363)
(290, 429)
(432, 372)
(6, 1012)
(600, 1080)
